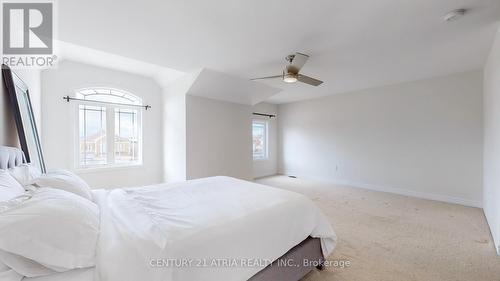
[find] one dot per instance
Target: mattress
(217, 228)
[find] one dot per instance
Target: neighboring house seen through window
(109, 130)
(259, 132)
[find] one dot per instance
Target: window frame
(110, 134)
(266, 139)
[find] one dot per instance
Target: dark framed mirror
(25, 120)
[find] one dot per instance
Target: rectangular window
(259, 133)
(92, 131)
(126, 136)
(108, 136)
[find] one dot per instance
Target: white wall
(422, 138)
(8, 131)
(269, 166)
(218, 138)
(206, 135)
(491, 198)
(58, 122)
(174, 128)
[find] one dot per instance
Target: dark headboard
(10, 157)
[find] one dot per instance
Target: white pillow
(65, 180)
(9, 187)
(24, 266)
(52, 227)
(25, 174)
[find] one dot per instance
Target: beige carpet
(390, 237)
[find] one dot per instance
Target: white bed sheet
(217, 228)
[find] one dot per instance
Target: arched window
(109, 128)
(108, 95)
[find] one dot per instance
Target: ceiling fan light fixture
(290, 78)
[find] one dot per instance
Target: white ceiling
(220, 86)
(353, 44)
(162, 75)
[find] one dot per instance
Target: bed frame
(309, 249)
(279, 270)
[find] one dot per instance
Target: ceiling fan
(291, 72)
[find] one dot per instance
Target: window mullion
(110, 136)
(139, 135)
(85, 135)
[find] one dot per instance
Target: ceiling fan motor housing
(291, 69)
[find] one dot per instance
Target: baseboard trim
(264, 176)
(422, 195)
(495, 235)
(405, 192)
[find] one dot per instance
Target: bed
(217, 228)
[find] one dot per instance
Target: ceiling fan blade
(309, 80)
(267, 77)
(298, 62)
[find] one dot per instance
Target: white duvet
(217, 228)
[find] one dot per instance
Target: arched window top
(108, 95)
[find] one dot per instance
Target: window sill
(260, 159)
(108, 168)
